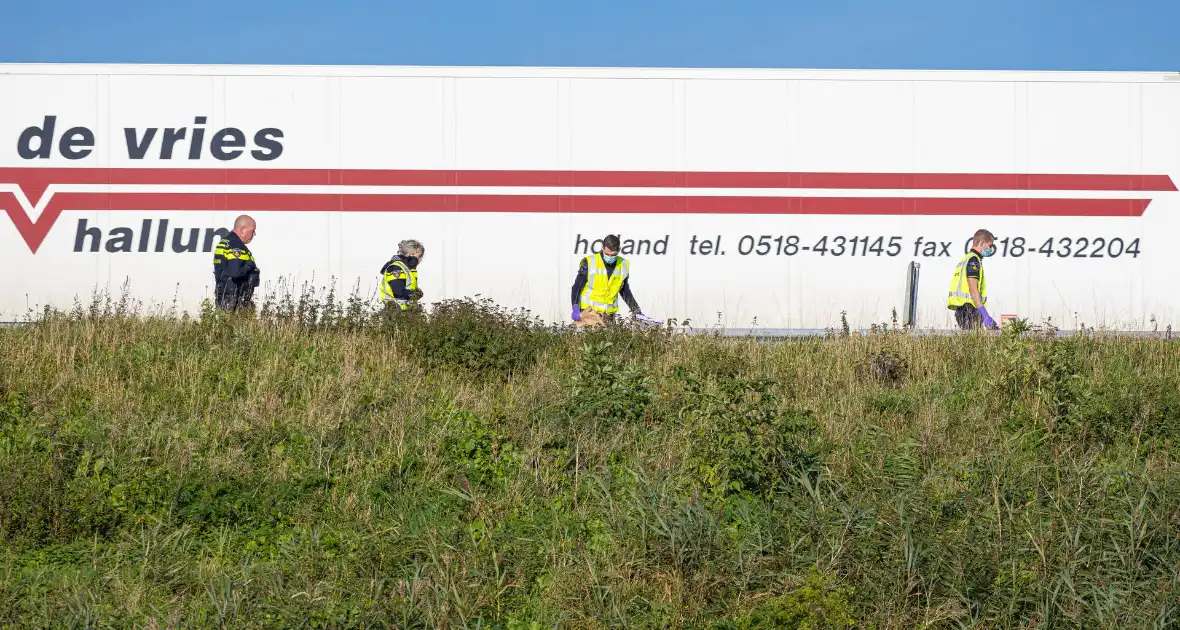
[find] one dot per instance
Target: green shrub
(1056, 376)
(748, 440)
(816, 605)
(54, 490)
(606, 385)
(477, 450)
(476, 336)
(628, 340)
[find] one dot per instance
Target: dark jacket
(624, 291)
(235, 273)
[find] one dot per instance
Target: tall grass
(323, 465)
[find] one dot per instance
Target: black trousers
(968, 317)
(231, 297)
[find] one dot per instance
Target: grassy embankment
(473, 471)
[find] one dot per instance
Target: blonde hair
(410, 247)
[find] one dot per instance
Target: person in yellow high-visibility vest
(602, 278)
(967, 295)
(399, 276)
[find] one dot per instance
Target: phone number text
(893, 246)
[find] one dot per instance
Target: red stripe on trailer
(34, 232)
(34, 182)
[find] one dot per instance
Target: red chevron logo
(34, 198)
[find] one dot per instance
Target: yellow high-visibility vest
(398, 270)
(960, 292)
(601, 293)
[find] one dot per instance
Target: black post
(911, 296)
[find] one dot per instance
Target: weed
(476, 336)
(885, 368)
(479, 452)
(816, 604)
(747, 441)
(323, 462)
(606, 386)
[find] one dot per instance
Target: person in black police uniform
(235, 272)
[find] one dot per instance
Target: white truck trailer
(749, 198)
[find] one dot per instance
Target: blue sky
(924, 34)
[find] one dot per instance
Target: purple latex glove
(577, 314)
(987, 319)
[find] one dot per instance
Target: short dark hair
(611, 242)
(983, 235)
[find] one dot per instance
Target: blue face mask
(989, 251)
(609, 259)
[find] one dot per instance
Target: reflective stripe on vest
(398, 270)
(222, 253)
(601, 292)
(960, 292)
